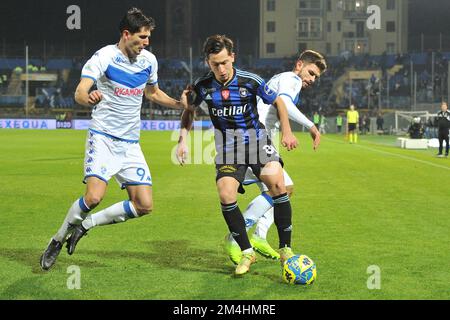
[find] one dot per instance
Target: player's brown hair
(311, 56)
(134, 20)
(216, 43)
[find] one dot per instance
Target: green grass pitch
(354, 206)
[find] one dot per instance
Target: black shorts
(351, 126)
(267, 153)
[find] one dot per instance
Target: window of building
(309, 4)
(309, 27)
(329, 8)
(349, 45)
(328, 49)
(303, 28)
(390, 48)
(390, 26)
(360, 27)
(355, 5)
(339, 25)
(328, 26)
(315, 28)
(270, 5)
(390, 5)
(270, 26)
(339, 47)
(270, 47)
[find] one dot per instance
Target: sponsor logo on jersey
(243, 92)
(121, 92)
(229, 111)
(225, 94)
(119, 59)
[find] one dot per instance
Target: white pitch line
(395, 154)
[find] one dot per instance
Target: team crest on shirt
(141, 63)
(225, 94)
(243, 92)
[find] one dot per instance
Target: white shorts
(108, 157)
(250, 178)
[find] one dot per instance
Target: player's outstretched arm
(82, 95)
(288, 140)
(315, 135)
(296, 115)
(187, 119)
(155, 94)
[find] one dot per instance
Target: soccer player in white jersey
(308, 68)
(124, 73)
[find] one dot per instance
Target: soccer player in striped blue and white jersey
(124, 73)
(241, 142)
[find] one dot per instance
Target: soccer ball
(299, 269)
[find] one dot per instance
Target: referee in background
(443, 120)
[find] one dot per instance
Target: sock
(264, 223)
(282, 213)
(236, 224)
(119, 212)
(355, 137)
(76, 214)
(255, 212)
(350, 136)
(256, 209)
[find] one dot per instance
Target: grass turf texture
(354, 206)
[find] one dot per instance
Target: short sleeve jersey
(122, 85)
(284, 84)
(352, 116)
(234, 106)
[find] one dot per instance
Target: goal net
(403, 119)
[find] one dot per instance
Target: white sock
(76, 214)
(264, 223)
(255, 211)
(119, 212)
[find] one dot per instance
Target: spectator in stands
(18, 70)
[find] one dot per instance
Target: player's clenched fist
(95, 97)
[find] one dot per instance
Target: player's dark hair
(310, 56)
(134, 20)
(216, 43)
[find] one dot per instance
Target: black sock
(236, 224)
(282, 214)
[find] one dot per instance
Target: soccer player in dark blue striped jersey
(241, 141)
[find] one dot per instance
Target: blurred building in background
(331, 27)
